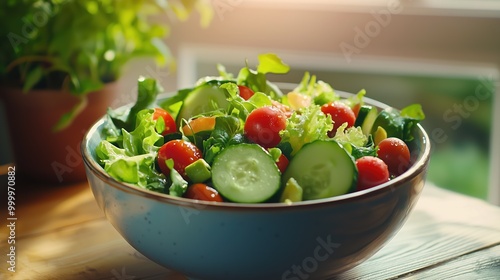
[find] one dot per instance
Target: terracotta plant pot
(40, 154)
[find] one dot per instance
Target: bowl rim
(97, 170)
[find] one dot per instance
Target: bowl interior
(419, 148)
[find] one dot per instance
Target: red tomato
(245, 92)
(202, 192)
(372, 171)
(263, 126)
(170, 126)
(282, 163)
(183, 153)
(340, 113)
(395, 153)
(282, 107)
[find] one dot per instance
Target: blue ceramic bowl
(311, 239)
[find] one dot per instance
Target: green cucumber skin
(366, 118)
(387, 120)
(197, 102)
(245, 173)
(323, 169)
(198, 171)
(361, 117)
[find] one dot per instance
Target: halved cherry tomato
(395, 153)
(245, 92)
(203, 192)
(198, 125)
(282, 107)
(263, 126)
(170, 126)
(282, 163)
(183, 153)
(340, 114)
(372, 171)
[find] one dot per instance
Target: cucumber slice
(366, 117)
(390, 121)
(245, 173)
(202, 100)
(323, 169)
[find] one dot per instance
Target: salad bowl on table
(206, 240)
(310, 239)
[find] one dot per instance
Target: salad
(241, 139)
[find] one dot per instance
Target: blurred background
(442, 54)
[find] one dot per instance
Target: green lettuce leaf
(241, 107)
(271, 63)
(355, 99)
(223, 73)
(133, 160)
(321, 92)
(227, 132)
(355, 142)
(306, 125)
(413, 111)
(351, 135)
(178, 186)
(148, 90)
(369, 149)
(144, 138)
(134, 169)
(411, 115)
(112, 133)
(256, 79)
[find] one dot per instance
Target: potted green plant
(59, 63)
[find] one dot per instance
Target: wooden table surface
(60, 233)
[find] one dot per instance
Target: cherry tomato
(198, 125)
(355, 109)
(282, 107)
(395, 153)
(203, 192)
(263, 126)
(183, 153)
(170, 126)
(245, 92)
(282, 163)
(340, 113)
(372, 171)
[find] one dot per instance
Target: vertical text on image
(11, 218)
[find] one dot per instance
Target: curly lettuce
(306, 125)
(319, 91)
(355, 142)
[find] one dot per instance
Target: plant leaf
(68, 117)
(32, 78)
